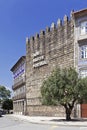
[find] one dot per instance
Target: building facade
(80, 49)
(19, 86)
(62, 45)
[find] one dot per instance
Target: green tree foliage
(4, 93)
(64, 87)
(7, 104)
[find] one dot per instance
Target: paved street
(12, 123)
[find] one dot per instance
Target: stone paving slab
(52, 120)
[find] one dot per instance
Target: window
(19, 71)
(83, 52)
(83, 73)
(84, 28)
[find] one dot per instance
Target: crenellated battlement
(60, 25)
(42, 33)
(51, 42)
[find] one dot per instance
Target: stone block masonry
(52, 48)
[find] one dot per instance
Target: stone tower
(52, 48)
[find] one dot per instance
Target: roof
(80, 13)
(20, 59)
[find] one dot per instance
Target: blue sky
(24, 18)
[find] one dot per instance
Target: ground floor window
(83, 73)
(83, 52)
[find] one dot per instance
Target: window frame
(83, 52)
(83, 25)
(83, 73)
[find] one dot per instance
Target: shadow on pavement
(73, 120)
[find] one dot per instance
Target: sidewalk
(52, 120)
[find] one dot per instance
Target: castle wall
(52, 48)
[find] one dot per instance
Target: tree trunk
(68, 113)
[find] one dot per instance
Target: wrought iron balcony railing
(19, 96)
(18, 83)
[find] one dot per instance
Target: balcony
(82, 37)
(20, 96)
(18, 83)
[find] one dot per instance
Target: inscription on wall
(38, 60)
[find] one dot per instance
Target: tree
(64, 87)
(7, 104)
(4, 93)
